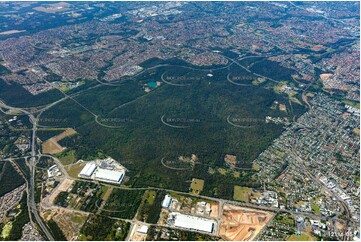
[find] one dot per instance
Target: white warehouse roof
(109, 175)
(192, 222)
(167, 201)
(88, 169)
(143, 229)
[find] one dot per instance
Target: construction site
(240, 224)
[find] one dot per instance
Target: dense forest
(23, 167)
(123, 203)
(56, 231)
(20, 220)
(156, 234)
(9, 178)
(11, 93)
(100, 228)
(149, 209)
(146, 130)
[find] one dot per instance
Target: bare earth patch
(51, 146)
(239, 223)
(107, 194)
(53, 8)
(214, 212)
(64, 186)
(69, 221)
(11, 32)
(325, 76)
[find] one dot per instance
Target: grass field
(6, 230)
(78, 218)
(292, 97)
(351, 103)
(301, 237)
(67, 157)
(255, 166)
(242, 193)
(66, 133)
(222, 171)
(150, 196)
(106, 192)
(197, 186)
(287, 219)
(75, 169)
(258, 81)
(315, 208)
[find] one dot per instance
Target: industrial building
(167, 201)
(109, 175)
(88, 170)
(143, 229)
(53, 170)
(105, 170)
(191, 222)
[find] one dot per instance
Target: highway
(32, 204)
(27, 186)
(219, 200)
(30, 112)
(32, 163)
(31, 187)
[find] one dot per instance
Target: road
(32, 163)
(306, 170)
(58, 163)
(32, 204)
(219, 200)
(249, 71)
(30, 112)
(27, 186)
(34, 209)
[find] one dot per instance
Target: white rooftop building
(109, 175)
(88, 170)
(167, 201)
(143, 229)
(51, 171)
(193, 222)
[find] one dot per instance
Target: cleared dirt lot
(136, 236)
(214, 212)
(239, 223)
(64, 185)
(69, 221)
(51, 146)
(53, 8)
